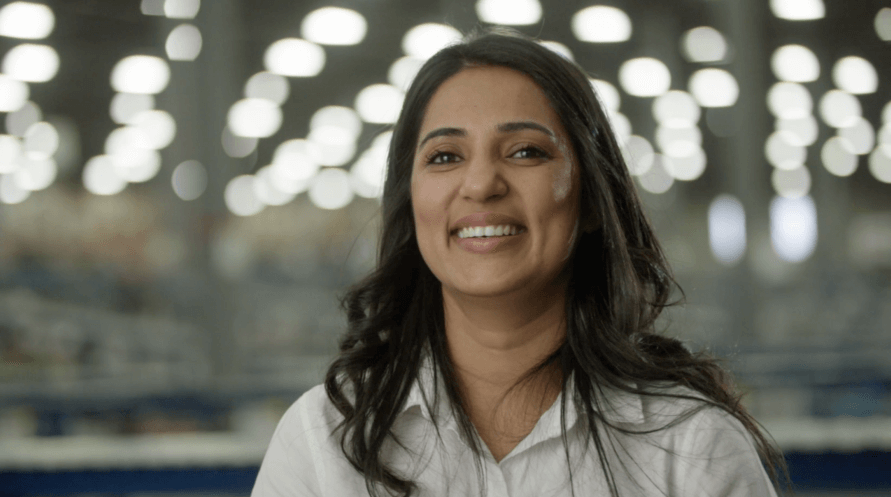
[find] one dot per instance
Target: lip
(484, 219)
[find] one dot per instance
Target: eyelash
(537, 153)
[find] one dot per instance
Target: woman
(505, 344)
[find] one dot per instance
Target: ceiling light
(334, 26)
(601, 24)
(645, 77)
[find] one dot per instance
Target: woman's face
(494, 185)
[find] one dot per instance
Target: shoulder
(688, 416)
(304, 456)
(709, 451)
(312, 414)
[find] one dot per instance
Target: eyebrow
(502, 128)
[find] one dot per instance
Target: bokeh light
(11, 192)
(35, 174)
(676, 109)
(125, 138)
(189, 180)
(883, 24)
(268, 189)
(558, 48)
(18, 122)
(791, 183)
(254, 118)
(403, 71)
(136, 165)
(26, 20)
(860, 135)
(368, 174)
(601, 24)
(704, 44)
(608, 94)
(789, 101)
(885, 134)
(795, 63)
(41, 140)
(509, 12)
(727, 229)
(424, 40)
(688, 166)
(335, 116)
(379, 103)
(678, 142)
(645, 77)
(331, 189)
(144, 74)
(621, 126)
(334, 26)
(714, 88)
(240, 196)
(336, 145)
(158, 127)
(840, 109)
(126, 106)
(783, 150)
(793, 227)
(838, 156)
(32, 63)
(880, 163)
(268, 86)
(181, 9)
(638, 154)
(10, 151)
(237, 146)
(802, 131)
(183, 43)
(798, 10)
(100, 177)
(13, 94)
(294, 163)
(855, 75)
(295, 58)
(656, 179)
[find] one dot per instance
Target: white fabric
(709, 454)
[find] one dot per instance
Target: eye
(531, 152)
(438, 157)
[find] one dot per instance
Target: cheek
(430, 213)
(562, 182)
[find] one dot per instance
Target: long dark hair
(619, 284)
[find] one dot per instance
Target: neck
(494, 342)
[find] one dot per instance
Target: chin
(485, 287)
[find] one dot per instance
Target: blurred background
(186, 187)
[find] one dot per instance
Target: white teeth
(488, 231)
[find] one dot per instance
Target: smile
(489, 231)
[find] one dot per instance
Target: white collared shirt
(709, 454)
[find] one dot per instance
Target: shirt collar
(427, 388)
(618, 406)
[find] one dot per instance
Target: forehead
(488, 95)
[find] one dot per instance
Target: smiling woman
(505, 344)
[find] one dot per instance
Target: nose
(483, 181)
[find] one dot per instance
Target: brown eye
(531, 152)
(442, 158)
